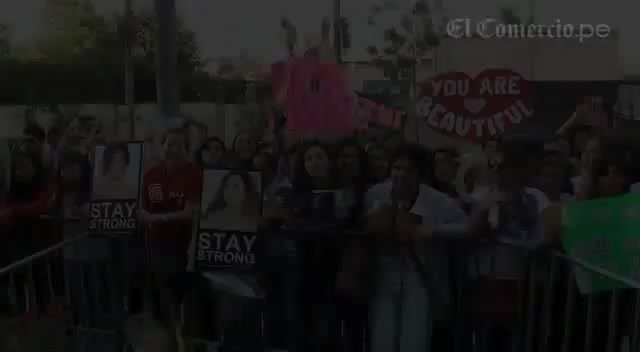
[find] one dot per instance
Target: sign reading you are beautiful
(116, 187)
(231, 206)
(475, 108)
(604, 232)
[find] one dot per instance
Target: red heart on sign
(492, 90)
(494, 96)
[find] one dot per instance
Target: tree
(75, 33)
(72, 26)
(404, 44)
(508, 16)
(290, 35)
(189, 59)
(5, 41)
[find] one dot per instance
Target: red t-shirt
(167, 191)
(38, 204)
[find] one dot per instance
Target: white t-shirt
(635, 187)
(434, 208)
(507, 262)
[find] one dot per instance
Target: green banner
(604, 233)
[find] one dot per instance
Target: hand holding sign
(146, 217)
(408, 226)
(380, 221)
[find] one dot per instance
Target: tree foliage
(508, 16)
(76, 33)
(5, 41)
(290, 35)
(405, 43)
(189, 60)
(71, 27)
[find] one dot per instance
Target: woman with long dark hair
(351, 170)
(243, 148)
(31, 194)
(355, 259)
(378, 163)
(444, 169)
(592, 155)
(30, 189)
(75, 184)
(313, 197)
(212, 153)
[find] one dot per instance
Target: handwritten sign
(369, 112)
(475, 108)
(315, 95)
(604, 232)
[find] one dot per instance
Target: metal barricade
(67, 301)
(34, 293)
(68, 296)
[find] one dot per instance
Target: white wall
(535, 59)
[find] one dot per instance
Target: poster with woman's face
(116, 183)
(230, 211)
(231, 200)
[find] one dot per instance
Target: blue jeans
(400, 313)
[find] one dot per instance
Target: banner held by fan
(475, 108)
(315, 95)
(317, 99)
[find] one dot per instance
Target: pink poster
(315, 95)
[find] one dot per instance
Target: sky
(229, 28)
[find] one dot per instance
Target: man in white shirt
(406, 212)
(509, 212)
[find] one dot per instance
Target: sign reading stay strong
(475, 108)
(604, 232)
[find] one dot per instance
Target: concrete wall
(535, 59)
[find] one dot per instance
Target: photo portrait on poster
(230, 213)
(116, 184)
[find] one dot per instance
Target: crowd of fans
(335, 291)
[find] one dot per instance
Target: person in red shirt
(23, 230)
(170, 193)
(31, 191)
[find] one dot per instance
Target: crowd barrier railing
(552, 314)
